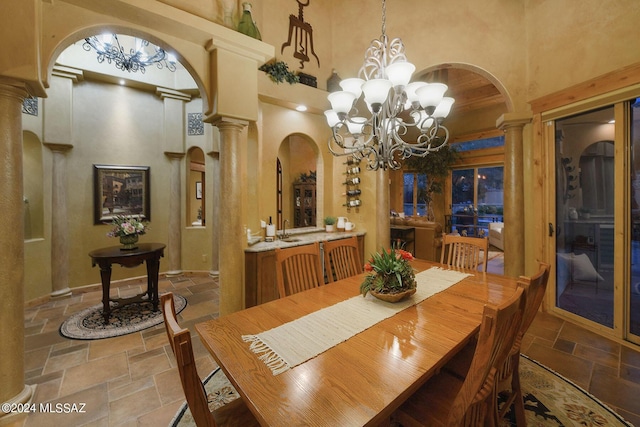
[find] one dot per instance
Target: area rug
(550, 400)
(89, 324)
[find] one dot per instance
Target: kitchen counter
(299, 237)
(260, 260)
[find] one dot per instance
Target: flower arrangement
(390, 271)
(124, 225)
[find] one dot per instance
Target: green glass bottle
(247, 25)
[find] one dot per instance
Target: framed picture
(198, 189)
(120, 190)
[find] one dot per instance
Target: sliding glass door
(597, 216)
(633, 290)
(585, 215)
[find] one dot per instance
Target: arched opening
(196, 190)
(33, 195)
(298, 172)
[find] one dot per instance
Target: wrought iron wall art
(303, 36)
(30, 106)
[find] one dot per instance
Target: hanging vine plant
(279, 72)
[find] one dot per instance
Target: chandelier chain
(384, 19)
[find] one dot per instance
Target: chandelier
(395, 106)
(140, 56)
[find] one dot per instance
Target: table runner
(295, 342)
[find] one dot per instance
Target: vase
(129, 242)
(247, 25)
(398, 296)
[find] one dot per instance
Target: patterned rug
(89, 324)
(549, 400)
(552, 400)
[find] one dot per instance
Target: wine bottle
(352, 203)
(352, 181)
(351, 161)
(352, 193)
(353, 171)
(247, 25)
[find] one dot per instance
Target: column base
(214, 273)
(23, 398)
(173, 273)
(61, 293)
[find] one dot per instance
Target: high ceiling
(470, 90)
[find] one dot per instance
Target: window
(477, 198)
(414, 194)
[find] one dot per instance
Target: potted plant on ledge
(329, 223)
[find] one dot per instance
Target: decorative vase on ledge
(129, 242)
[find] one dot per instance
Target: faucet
(284, 229)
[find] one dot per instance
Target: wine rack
(352, 184)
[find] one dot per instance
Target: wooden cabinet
(304, 204)
(260, 275)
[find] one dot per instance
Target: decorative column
(174, 147)
(383, 224)
(57, 136)
(230, 233)
(512, 124)
(59, 225)
(174, 242)
(12, 386)
(215, 215)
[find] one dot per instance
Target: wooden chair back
(500, 326)
(298, 268)
(180, 340)
(464, 252)
(342, 259)
(508, 375)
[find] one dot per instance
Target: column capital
(509, 120)
(12, 88)
(173, 155)
(164, 93)
(230, 123)
(59, 148)
(73, 74)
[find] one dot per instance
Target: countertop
(299, 237)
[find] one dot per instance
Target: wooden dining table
(361, 381)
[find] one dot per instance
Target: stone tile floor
(132, 380)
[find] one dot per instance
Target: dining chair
(232, 414)
(508, 376)
(298, 268)
(464, 252)
(447, 400)
(342, 259)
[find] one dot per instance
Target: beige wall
(528, 48)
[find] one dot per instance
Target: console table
(145, 252)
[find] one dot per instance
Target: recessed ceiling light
(301, 108)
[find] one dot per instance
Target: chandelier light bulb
(341, 101)
(353, 85)
(332, 118)
(444, 108)
(431, 95)
(399, 73)
(410, 91)
(355, 125)
(376, 92)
